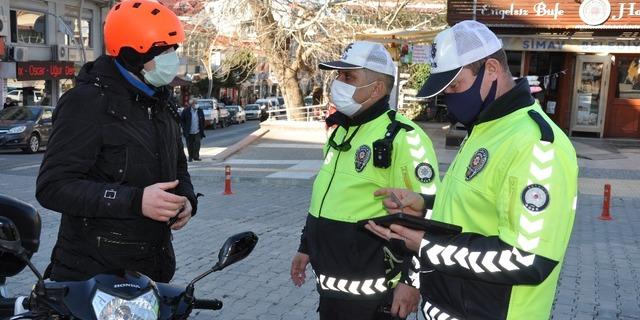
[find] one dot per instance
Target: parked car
(16, 95)
(265, 103)
(253, 111)
(237, 114)
(308, 100)
(27, 128)
(278, 104)
(214, 116)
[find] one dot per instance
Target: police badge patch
(535, 197)
(362, 157)
(477, 163)
(424, 172)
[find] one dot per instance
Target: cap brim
(338, 65)
(437, 82)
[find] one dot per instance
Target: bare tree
(295, 35)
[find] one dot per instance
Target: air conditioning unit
(65, 53)
(20, 53)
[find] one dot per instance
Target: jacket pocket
(112, 163)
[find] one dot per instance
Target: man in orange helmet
(115, 166)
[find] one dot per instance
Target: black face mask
(464, 107)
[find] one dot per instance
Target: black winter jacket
(109, 142)
(186, 118)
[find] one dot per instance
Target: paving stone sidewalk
(600, 278)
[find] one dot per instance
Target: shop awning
(400, 36)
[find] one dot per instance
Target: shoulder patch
(424, 172)
(546, 132)
(535, 197)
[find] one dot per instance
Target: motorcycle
(120, 295)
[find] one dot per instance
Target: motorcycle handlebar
(214, 304)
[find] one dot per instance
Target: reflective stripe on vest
(432, 312)
(361, 287)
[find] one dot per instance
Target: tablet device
(417, 223)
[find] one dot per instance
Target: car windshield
(252, 107)
(232, 108)
(20, 114)
(205, 104)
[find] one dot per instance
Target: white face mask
(342, 97)
(166, 69)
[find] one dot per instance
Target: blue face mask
(464, 107)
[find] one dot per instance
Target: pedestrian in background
(193, 128)
(372, 147)
(512, 188)
(8, 103)
(115, 166)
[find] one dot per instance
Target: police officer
(512, 187)
(372, 147)
(115, 166)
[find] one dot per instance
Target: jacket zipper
(149, 112)
(333, 174)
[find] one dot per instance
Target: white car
(237, 114)
(253, 111)
(214, 114)
(16, 95)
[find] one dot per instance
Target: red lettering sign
(44, 70)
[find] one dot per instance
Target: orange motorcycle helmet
(141, 25)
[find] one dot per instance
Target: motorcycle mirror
(236, 248)
(10, 237)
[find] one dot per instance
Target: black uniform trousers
(193, 146)
(342, 309)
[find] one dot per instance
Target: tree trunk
(277, 48)
(292, 95)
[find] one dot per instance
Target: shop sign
(570, 45)
(44, 70)
(547, 14)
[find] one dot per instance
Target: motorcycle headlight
(108, 307)
(18, 129)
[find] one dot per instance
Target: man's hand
(411, 202)
(160, 205)
(412, 238)
(298, 266)
(183, 217)
(405, 300)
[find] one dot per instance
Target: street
(271, 186)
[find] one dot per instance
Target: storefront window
(74, 32)
(30, 27)
(515, 62)
(628, 77)
(548, 67)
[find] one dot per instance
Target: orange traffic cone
(606, 215)
(227, 180)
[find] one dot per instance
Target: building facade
(585, 54)
(44, 45)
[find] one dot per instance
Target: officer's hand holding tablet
(406, 227)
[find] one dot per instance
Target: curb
(240, 144)
(255, 180)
